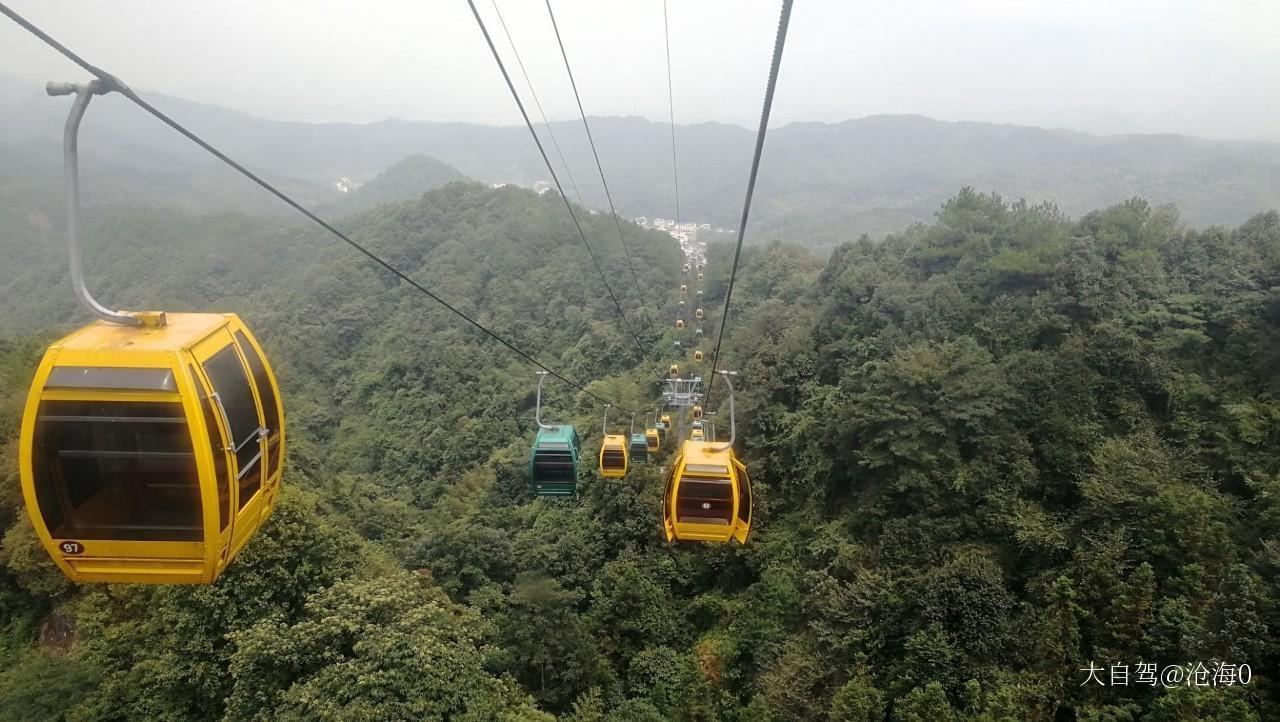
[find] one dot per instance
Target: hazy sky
(1200, 67)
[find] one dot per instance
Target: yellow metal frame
(168, 347)
(706, 453)
(614, 442)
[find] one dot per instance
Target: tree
(857, 700)
(924, 704)
(552, 653)
(390, 648)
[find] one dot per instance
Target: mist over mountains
(823, 182)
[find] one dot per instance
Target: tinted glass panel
(270, 409)
(219, 454)
(554, 466)
(744, 494)
(98, 377)
(232, 386)
(116, 470)
(705, 501)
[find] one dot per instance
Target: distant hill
(31, 180)
(406, 180)
(821, 182)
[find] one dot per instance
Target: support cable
(778, 44)
(542, 151)
(546, 123)
(617, 223)
(115, 84)
(671, 106)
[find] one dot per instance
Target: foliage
(986, 452)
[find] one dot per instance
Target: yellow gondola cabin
(707, 496)
(152, 454)
(613, 456)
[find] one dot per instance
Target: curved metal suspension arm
(733, 422)
(71, 176)
(537, 410)
(604, 428)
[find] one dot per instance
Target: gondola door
(742, 528)
(223, 464)
(240, 415)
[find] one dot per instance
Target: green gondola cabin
(553, 461)
(639, 449)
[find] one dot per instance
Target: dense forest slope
(824, 183)
(403, 181)
(987, 452)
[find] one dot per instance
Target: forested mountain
(32, 173)
(403, 181)
(825, 183)
(988, 452)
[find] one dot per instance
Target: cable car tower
(682, 393)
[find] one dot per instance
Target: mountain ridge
(898, 167)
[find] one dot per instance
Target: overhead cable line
(671, 105)
(115, 84)
(630, 266)
(778, 44)
(542, 151)
(546, 123)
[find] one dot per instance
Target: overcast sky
(1200, 67)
